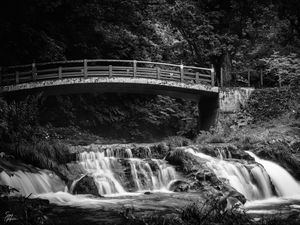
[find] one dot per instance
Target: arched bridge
(124, 76)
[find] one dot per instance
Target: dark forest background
(232, 34)
(228, 33)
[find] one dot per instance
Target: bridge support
(208, 107)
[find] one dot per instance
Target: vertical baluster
(212, 75)
(134, 68)
(85, 69)
(197, 78)
(181, 73)
(59, 72)
(34, 72)
(17, 77)
(110, 71)
(158, 72)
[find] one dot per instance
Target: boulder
(180, 186)
(86, 185)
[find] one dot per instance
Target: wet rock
(159, 151)
(147, 193)
(204, 175)
(180, 186)
(86, 185)
(141, 152)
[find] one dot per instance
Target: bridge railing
(105, 68)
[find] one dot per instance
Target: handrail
(105, 68)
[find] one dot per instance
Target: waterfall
(32, 183)
(101, 168)
(285, 184)
(251, 180)
(107, 168)
(114, 171)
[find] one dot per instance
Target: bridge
(119, 76)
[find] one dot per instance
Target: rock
(180, 186)
(141, 152)
(204, 175)
(233, 201)
(86, 185)
(147, 193)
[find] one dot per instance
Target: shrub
(284, 68)
(266, 104)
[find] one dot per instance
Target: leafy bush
(19, 120)
(266, 104)
(284, 68)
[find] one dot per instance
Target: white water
(107, 168)
(101, 169)
(108, 172)
(251, 180)
(285, 184)
(32, 183)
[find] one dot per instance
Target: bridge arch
(119, 76)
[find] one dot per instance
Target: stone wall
(231, 100)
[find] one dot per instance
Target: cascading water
(32, 183)
(251, 180)
(285, 184)
(101, 168)
(117, 172)
(107, 168)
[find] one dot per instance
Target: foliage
(286, 69)
(19, 120)
(221, 32)
(266, 104)
(24, 211)
(146, 117)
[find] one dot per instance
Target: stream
(144, 184)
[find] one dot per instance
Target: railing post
(85, 69)
(212, 75)
(34, 72)
(222, 77)
(158, 72)
(261, 78)
(59, 72)
(249, 78)
(134, 68)
(110, 71)
(197, 78)
(17, 77)
(181, 73)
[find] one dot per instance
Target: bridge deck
(105, 69)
